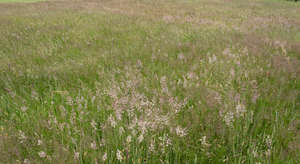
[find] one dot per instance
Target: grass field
(22, 1)
(150, 81)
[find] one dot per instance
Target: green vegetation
(23, 1)
(156, 81)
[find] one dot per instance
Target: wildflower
(119, 155)
(42, 154)
(104, 157)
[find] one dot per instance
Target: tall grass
(107, 85)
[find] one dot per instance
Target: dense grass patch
(150, 82)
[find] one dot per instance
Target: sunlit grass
(150, 82)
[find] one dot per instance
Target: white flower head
(42, 154)
(119, 155)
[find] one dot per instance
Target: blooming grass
(168, 82)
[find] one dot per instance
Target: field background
(150, 81)
(23, 1)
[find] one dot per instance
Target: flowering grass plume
(150, 82)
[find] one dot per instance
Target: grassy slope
(82, 76)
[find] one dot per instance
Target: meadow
(150, 81)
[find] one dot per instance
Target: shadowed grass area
(131, 81)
